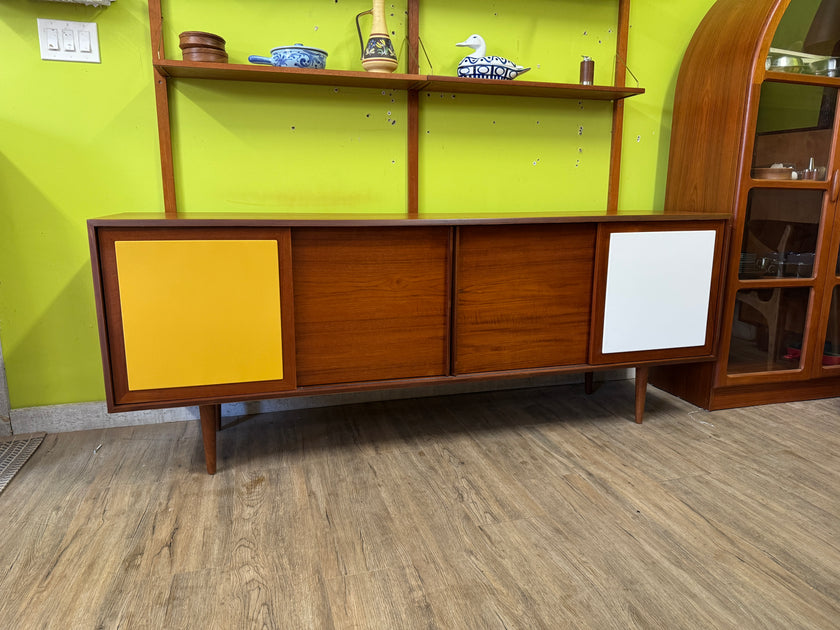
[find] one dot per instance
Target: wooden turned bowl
(204, 54)
(199, 39)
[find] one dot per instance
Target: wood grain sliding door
(523, 296)
(371, 303)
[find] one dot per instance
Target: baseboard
(94, 415)
(5, 409)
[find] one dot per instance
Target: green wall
(80, 140)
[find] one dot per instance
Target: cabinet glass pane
(780, 233)
(767, 330)
(809, 29)
(831, 352)
(794, 131)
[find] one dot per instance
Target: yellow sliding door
(200, 312)
(196, 314)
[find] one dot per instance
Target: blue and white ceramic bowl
(297, 56)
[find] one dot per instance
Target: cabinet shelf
(774, 282)
(802, 79)
(411, 82)
(793, 184)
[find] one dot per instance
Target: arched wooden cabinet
(755, 134)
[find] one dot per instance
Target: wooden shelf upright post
(623, 37)
(413, 96)
(162, 102)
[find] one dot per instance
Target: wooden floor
(529, 509)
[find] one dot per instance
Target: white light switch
(69, 40)
(84, 41)
(62, 40)
(52, 39)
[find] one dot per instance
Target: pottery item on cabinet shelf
(480, 65)
(776, 171)
(378, 53)
(297, 56)
(201, 46)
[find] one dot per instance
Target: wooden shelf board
(270, 74)
(530, 88)
(803, 79)
(795, 184)
(415, 82)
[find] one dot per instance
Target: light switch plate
(62, 40)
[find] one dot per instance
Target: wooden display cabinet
(739, 111)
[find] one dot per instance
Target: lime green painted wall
(80, 140)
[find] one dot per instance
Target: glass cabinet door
(795, 120)
(794, 132)
(831, 348)
(781, 232)
(768, 330)
(807, 35)
(779, 306)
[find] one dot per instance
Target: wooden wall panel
(523, 296)
(371, 303)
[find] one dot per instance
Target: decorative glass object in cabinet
(767, 330)
(807, 39)
(794, 131)
(780, 233)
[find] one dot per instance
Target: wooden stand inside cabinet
(755, 134)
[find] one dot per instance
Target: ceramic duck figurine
(479, 65)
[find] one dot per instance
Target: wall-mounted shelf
(412, 82)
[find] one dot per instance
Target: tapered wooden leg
(588, 382)
(209, 415)
(218, 411)
(641, 392)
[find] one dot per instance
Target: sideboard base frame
(692, 383)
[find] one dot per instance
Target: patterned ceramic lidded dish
(297, 56)
(480, 65)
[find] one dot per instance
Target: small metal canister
(587, 70)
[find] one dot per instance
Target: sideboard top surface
(220, 219)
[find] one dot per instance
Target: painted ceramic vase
(378, 53)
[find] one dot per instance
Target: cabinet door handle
(835, 186)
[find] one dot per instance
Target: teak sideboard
(203, 310)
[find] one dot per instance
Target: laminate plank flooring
(539, 508)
